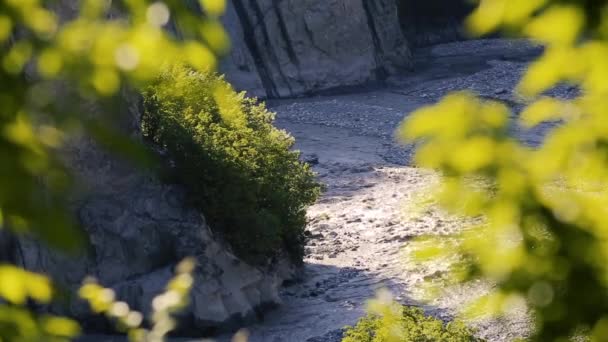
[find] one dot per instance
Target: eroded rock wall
(284, 48)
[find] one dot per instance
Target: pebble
(311, 159)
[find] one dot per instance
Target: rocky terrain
(294, 47)
(360, 228)
(372, 63)
(298, 47)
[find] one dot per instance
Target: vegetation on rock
(237, 165)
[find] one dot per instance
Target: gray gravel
(359, 227)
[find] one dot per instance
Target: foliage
(17, 323)
(50, 63)
(392, 322)
(544, 235)
(174, 299)
(237, 165)
(93, 54)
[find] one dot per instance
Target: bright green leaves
(18, 54)
(542, 211)
(94, 9)
(389, 321)
(61, 66)
(547, 109)
(60, 326)
(110, 51)
(460, 131)
(94, 51)
(214, 7)
(165, 305)
(558, 25)
(200, 57)
(18, 285)
(19, 324)
(50, 63)
(6, 26)
(491, 15)
(237, 165)
(38, 19)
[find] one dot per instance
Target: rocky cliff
(285, 48)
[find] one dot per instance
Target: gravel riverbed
(360, 227)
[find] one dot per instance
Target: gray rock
(137, 230)
(294, 47)
(332, 336)
(312, 158)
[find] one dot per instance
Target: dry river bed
(361, 226)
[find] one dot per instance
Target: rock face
(284, 48)
(138, 229)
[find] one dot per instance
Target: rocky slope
(137, 229)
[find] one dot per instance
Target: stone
(311, 159)
(296, 47)
(324, 226)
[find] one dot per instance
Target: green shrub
(407, 324)
(238, 167)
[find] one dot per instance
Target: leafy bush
(399, 323)
(237, 165)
